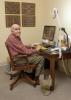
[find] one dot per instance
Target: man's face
(16, 30)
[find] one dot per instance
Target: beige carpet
(25, 91)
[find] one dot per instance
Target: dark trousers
(46, 64)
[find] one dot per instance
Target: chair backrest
(11, 58)
(7, 47)
(48, 32)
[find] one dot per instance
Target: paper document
(55, 49)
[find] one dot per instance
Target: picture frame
(48, 32)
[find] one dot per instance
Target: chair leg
(12, 84)
(29, 80)
(26, 78)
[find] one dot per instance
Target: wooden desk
(53, 58)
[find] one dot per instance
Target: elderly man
(17, 47)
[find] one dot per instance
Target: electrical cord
(64, 67)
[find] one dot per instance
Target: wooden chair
(21, 69)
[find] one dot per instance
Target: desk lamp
(55, 15)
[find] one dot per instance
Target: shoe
(34, 85)
(30, 75)
(11, 72)
(37, 80)
(51, 88)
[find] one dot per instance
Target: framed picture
(21, 13)
(48, 32)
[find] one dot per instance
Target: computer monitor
(48, 32)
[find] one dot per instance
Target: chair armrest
(20, 57)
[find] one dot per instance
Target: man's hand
(38, 47)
